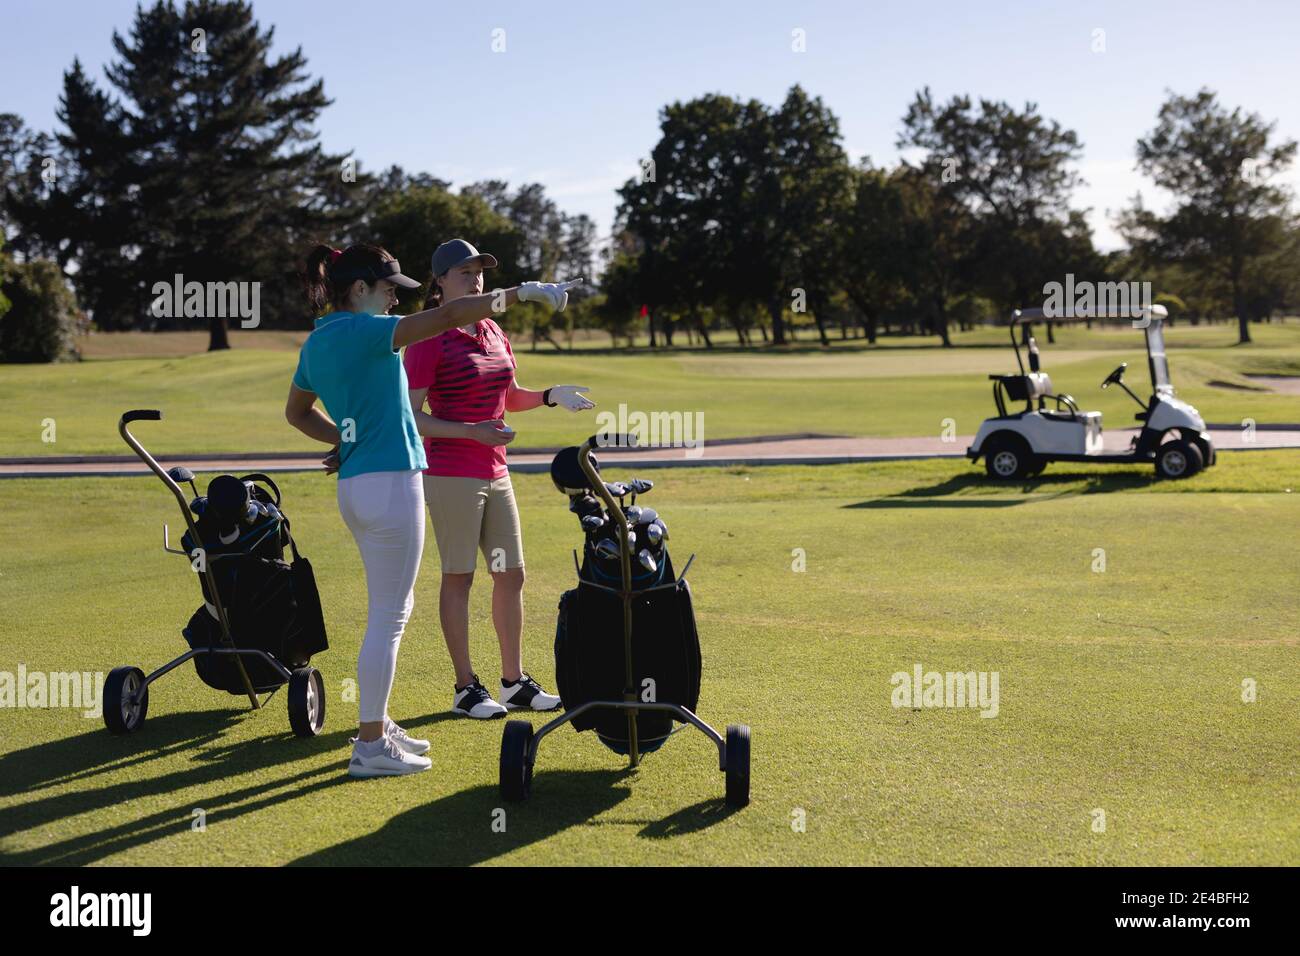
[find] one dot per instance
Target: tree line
(201, 158)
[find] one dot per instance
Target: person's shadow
(82, 759)
(476, 825)
(464, 828)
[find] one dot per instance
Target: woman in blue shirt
(350, 362)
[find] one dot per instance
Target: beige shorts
(474, 514)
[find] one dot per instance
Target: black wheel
(516, 771)
(126, 699)
(737, 765)
(306, 702)
(1007, 457)
(1178, 459)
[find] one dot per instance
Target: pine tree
(205, 164)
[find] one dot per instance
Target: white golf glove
(548, 293)
(569, 396)
(554, 294)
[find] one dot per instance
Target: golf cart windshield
(1156, 360)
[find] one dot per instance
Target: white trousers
(384, 510)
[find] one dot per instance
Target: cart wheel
(306, 702)
(1178, 459)
(1008, 457)
(1037, 469)
(124, 711)
(737, 765)
(516, 771)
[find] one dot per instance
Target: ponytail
(315, 277)
(322, 289)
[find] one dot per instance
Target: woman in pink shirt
(467, 378)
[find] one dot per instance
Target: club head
(180, 473)
(654, 534)
(647, 560)
(641, 485)
(663, 528)
(592, 523)
(633, 513)
(616, 489)
(584, 505)
(607, 548)
(648, 516)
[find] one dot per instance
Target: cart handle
(142, 415)
(613, 440)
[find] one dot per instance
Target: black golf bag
(271, 605)
(589, 652)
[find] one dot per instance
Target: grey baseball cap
(454, 252)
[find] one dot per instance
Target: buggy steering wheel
(1116, 377)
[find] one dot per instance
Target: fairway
(233, 401)
(1121, 690)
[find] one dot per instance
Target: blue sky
(573, 100)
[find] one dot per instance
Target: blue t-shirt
(350, 362)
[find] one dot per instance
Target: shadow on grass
(79, 760)
(1046, 487)
(458, 830)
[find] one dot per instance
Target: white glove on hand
(554, 294)
(569, 397)
(548, 293)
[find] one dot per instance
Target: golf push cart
(261, 618)
(1020, 444)
(627, 653)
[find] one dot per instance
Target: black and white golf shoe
(473, 700)
(526, 694)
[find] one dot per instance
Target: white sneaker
(526, 694)
(473, 700)
(389, 760)
(412, 745)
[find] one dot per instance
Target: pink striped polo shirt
(468, 377)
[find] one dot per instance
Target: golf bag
(271, 605)
(589, 653)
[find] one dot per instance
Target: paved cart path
(760, 450)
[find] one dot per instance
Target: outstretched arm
(419, 326)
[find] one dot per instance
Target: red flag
(644, 311)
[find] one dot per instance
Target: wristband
(546, 399)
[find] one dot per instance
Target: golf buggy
(1020, 444)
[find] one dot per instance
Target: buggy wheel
(737, 765)
(306, 702)
(1007, 457)
(516, 770)
(126, 699)
(1178, 459)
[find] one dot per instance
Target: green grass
(1120, 691)
(233, 401)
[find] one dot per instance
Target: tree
(203, 162)
(1012, 170)
(1218, 164)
